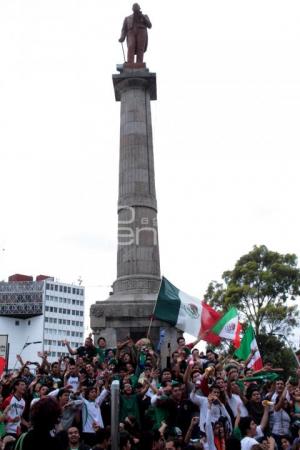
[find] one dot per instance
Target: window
(69, 290)
(59, 321)
(55, 309)
(17, 323)
(55, 287)
(68, 322)
(47, 286)
(81, 313)
(64, 321)
(60, 310)
(73, 302)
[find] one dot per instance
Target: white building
(37, 315)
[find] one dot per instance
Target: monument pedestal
(130, 315)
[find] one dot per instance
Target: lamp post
(26, 345)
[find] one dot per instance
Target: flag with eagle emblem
(183, 311)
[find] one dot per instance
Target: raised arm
(279, 404)
(187, 437)
(71, 351)
(265, 417)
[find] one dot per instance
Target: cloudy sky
(226, 135)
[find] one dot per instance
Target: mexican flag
(183, 311)
(228, 327)
(249, 343)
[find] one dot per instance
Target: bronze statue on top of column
(135, 30)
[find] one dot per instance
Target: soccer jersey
(15, 408)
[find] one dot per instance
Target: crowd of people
(199, 400)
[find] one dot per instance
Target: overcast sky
(226, 135)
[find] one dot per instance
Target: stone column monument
(129, 308)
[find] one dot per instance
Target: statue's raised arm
(135, 31)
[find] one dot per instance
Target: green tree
(276, 350)
(262, 286)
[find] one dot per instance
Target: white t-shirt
(217, 411)
(74, 382)
(234, 401)
(248, 442)
(91, 413)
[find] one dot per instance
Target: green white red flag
(248, 345)
(228, 327)
(185, 312)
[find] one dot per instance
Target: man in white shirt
(13, 407)
(217, 410)
(91, 414)
(250, 431)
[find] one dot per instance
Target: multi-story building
(38, 315)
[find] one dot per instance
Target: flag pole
(152, 316)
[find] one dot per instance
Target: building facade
(38, 315)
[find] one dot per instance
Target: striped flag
(181, 310)
(249, 344)
(228, 327)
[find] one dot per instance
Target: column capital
(134, 78)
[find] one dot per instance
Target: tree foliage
(276, 351)
(262, 286)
